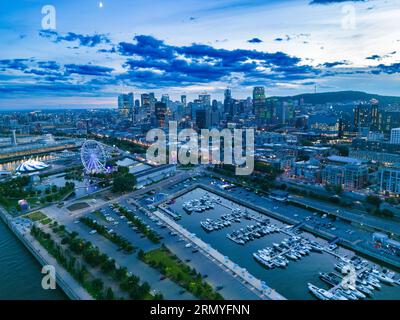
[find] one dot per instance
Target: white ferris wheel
(93, 156)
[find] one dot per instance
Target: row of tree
(120, 241)
(142, 227)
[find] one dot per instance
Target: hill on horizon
(341, 97)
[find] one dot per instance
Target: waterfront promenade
(64, 280)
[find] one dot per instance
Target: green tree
(374, 200)
(124, 183)
(109, 294)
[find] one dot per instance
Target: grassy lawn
(36, 216)
(168, 264)
(46, 221)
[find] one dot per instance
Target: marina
(202, 204)
(289, 249)
(290, 280)
(252, 232)
(357, 279)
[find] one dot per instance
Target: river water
(20, 276)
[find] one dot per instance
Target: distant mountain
(342, 97)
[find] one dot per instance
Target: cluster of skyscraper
(370, 117)
(206, 113)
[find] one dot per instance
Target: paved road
(357, 217)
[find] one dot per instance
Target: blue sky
(102, 48)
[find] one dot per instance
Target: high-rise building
(259, 105)
(165, 99)
(184, 100)
(228, 104)
(161, 112)
(271, 109)
(388, 119)
(145, 102)
(215, 114)
(395, 136)
(125, 104)
(205, 100)
(152, 101)
(362, 116)
(203, 119)
(374, 114)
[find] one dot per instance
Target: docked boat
(329, 278)
(320, 293)
(291, 255)
(382, 277)
(356, 292)
(316, 247)
(365, 290)
(347, 293)
(206, 226)
(263, 261)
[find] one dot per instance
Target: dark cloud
(87, 69)
(388, 69)
(43, 72)
(378, 57)
(52, 65)
(254, 40)
(146, 46)
(334, 64)
(154, 62)
(84, 40)
(14, 64)
(374, 57)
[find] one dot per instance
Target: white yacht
(320, 293)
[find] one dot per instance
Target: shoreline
(69, 286)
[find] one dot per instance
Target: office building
(259, 105)
(161, 113)
(126, 104)
(349, 177)
(395, 136)
(389, 179)
(203, 118)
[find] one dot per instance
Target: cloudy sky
(100, 49)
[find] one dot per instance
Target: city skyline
(287, 46)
